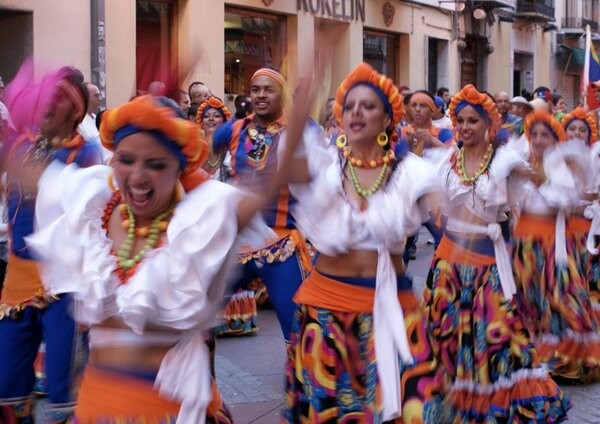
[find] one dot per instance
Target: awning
(577, 54)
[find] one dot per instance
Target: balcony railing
(540, 9)
(492, 4)
(579, 24)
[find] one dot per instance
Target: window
(16, 41)
(252, 40)
(380, 50)
(155, 58)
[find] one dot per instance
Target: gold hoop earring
(179, 192)
(110, 180)
(382, 139)
(341, 141)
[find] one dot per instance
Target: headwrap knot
(212, 103)
(180, 136)
(587, 118)
(481, 102)
(540, 116)
(383, 86)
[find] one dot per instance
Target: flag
(591, 70)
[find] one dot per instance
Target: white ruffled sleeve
(322, 212)
(181, 285)
(399, 210)
(564, 187)
(439, 157)
(69, 242)
(505, 188)
(595, 158)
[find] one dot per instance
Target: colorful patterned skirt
(555, 300)
(113, 397)
(481, 342)
(239, 316)
(332, 372)
(577, 232)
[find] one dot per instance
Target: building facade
(123, 45)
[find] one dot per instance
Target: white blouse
(563, 189)
(178, 285)
(489, 198)
(334, 225)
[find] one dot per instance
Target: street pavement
(250, 370)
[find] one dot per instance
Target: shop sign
(345, 10)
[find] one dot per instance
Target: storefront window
(155, 59)
(380, 50)
(252, 40)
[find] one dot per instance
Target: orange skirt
(109, 396)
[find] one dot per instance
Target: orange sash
(323, 292)
(23, 282)
(455, 253)
(530, 225)
(108, 394)
(578, 225)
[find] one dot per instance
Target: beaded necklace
(363, 192)
(539, 176)
(461, 170)
(126, 264)
(359, 163)
(212, 166)
(258, 143)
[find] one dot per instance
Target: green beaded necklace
(483, 166)
(376, 185)
(124, 258)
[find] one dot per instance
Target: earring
(341, 141)
(179, 192)
(486, 136)
(111, 181)
(382, 139)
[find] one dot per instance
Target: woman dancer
(346, 362)
(552, 292)
(579, 124)
(146, 264)
(240, 313)
(211, 114)
(478, 335)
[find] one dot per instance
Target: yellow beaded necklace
(124, 258)
(461, 169)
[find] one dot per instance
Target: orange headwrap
(212, 103)
(586, 117)
(146, 114)
(419, 97)
(365, 74)
(469, 95)
(271, 73)
(540, 116)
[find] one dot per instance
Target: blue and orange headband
(212, 103)
(271, 73)
(381, 85)
(540, 116)
(481, 102)
(144, 114)
(586, 117)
